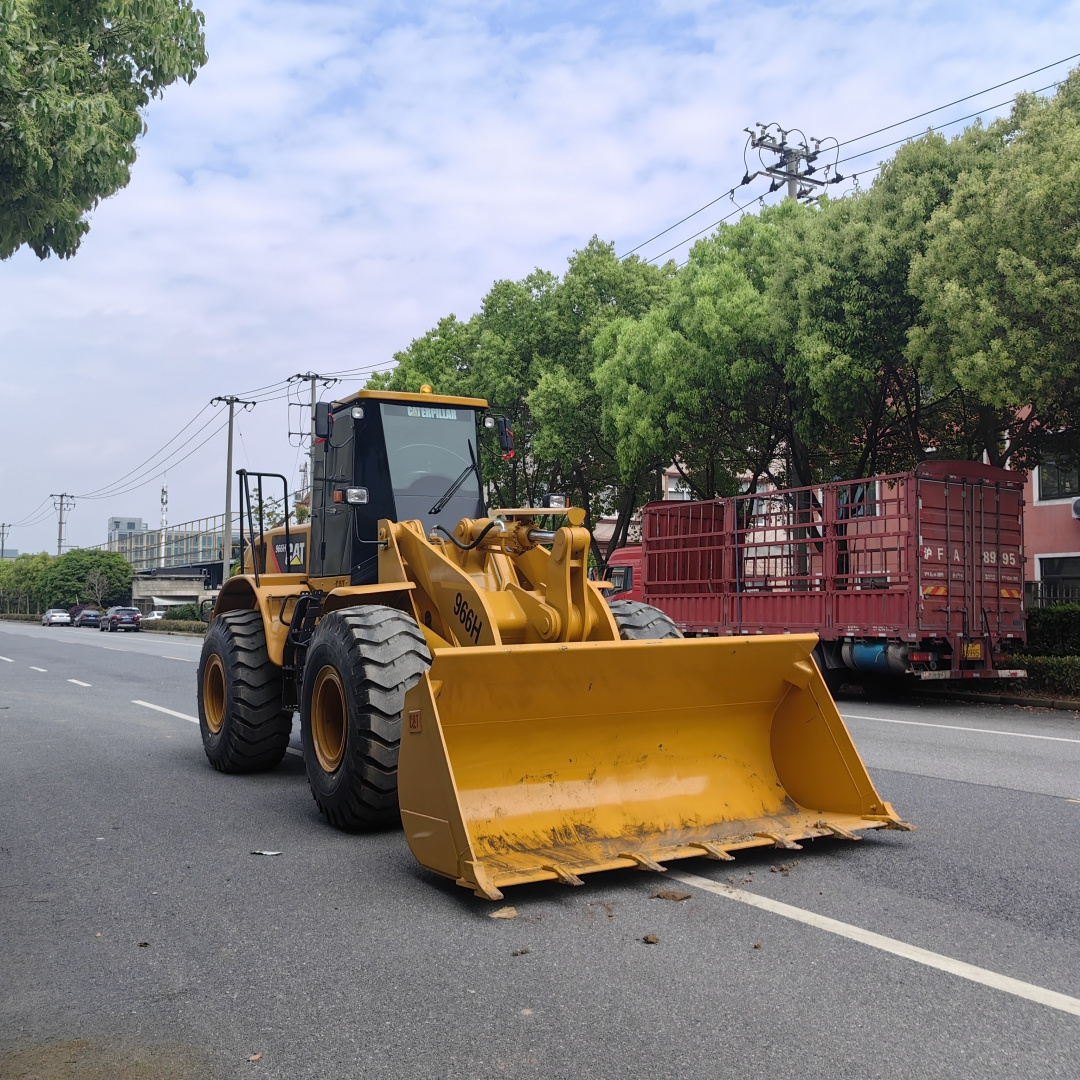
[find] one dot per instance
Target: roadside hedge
(1054, 631)
(1056, 676)
(16, 617)
(189, 626)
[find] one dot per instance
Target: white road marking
(77, 683)
(171, 712)
(8, 659)
(182, 659)
(32, 668)
(1006, 983)
(954, 727)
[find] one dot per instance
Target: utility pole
(226, 533)
(4, 526)
(63, 502)
(313, 379)
(163, 537)
(795, 165)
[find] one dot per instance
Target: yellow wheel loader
(456, 666)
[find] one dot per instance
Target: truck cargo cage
(917, 572)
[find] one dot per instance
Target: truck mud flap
(546, 762)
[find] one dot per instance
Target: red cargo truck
(918, 572)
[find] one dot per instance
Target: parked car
(87, 617)
(154, 616)
(120, 618)
(56, 617)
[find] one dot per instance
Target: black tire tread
(387, 657)
(255, 733)
(642, 622)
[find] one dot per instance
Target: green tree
(843, 287)
(999, 285)
(68, 579)
(75, 77)
(22, 581)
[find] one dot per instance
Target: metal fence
(1047, 594)
(190, 542)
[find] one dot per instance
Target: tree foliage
(937, 312)
(75, 76)
(80, 576)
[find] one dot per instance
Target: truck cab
(624, 571)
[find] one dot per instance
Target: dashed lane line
(42, 669)
(170, 712)
(955, 727)
(182, 659)
(993, 979)
(77, 682)
(7, 659)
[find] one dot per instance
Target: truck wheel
(642, 622)
(244, 729)
(360, 663)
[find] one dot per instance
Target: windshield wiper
(451, 491)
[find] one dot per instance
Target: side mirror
(324, 420)
(506, 438)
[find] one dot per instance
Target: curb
(1002, 699)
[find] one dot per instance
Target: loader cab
(390, 455)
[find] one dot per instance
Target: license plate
(973, 651)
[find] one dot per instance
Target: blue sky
(340, 176)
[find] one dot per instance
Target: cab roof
(391, 396)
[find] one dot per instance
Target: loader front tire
(359, 665)
(244, 728)
(642, 622)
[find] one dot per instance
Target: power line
(847, 142)
(929, 112)
(737, 210)
(940, 127)
(157, 453)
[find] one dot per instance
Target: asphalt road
(141, 938)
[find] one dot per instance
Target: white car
(56, 617)
(153, 616)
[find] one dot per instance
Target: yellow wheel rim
(329, 718)
(213, 692)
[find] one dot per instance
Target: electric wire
(738, 209)
(156, 454)
(107, 491)
(22, 523)
(930, 112)
(139, 483)
(858, 138)
(941, 127)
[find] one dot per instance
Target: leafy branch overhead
(75, 78)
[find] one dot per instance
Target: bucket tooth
(478, 879)
(713, 851)
(895, 823)
(564, 875)
(643, 861)
(837, 830)
(780, 841)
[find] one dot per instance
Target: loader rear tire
(359, 665)
(642, 622)
(244, 728)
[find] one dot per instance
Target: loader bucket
(532, 762)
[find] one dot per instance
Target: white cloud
(338, 178)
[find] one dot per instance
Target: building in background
(1052, 533)
(123, 528)
(11, 553)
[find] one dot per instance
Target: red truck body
(918, 572)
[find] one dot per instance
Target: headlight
(357, 496)
(358, 412)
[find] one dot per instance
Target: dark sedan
(120, 618)
(87, 617)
